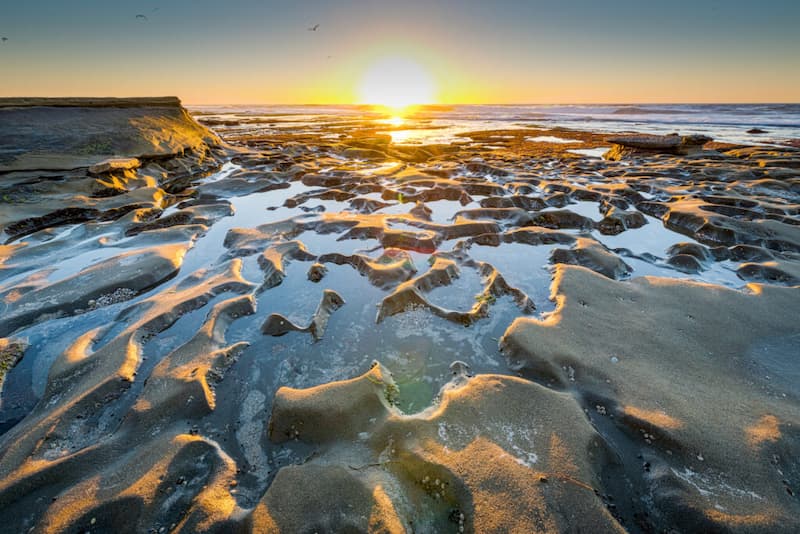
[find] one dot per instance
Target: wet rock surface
(188, 341)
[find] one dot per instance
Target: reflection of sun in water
(394, 121)
(396, 83)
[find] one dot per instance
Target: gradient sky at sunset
(536, 51)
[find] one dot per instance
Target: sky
(501, 52)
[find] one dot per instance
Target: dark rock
(593, 256)
(617, 221)
(686, 263)
(700, 252)
(629, 145)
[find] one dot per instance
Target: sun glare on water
(396, 83)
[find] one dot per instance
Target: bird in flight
(142, 17)
(313, 28)
(4, 39)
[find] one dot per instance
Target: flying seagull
(141, 17)
(313, 28)
(4, 39)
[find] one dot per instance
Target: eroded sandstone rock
(495, 453)
(655, 382)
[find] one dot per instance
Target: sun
(396, 82)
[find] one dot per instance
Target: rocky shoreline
(312, 327)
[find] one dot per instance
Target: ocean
(440, 124)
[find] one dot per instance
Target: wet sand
(332, 322)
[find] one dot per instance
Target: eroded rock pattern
(496, 453)
(158, 373)
(705, 385)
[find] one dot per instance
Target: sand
(252, 330)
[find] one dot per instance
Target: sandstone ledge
(71, 133)
(91, 102)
